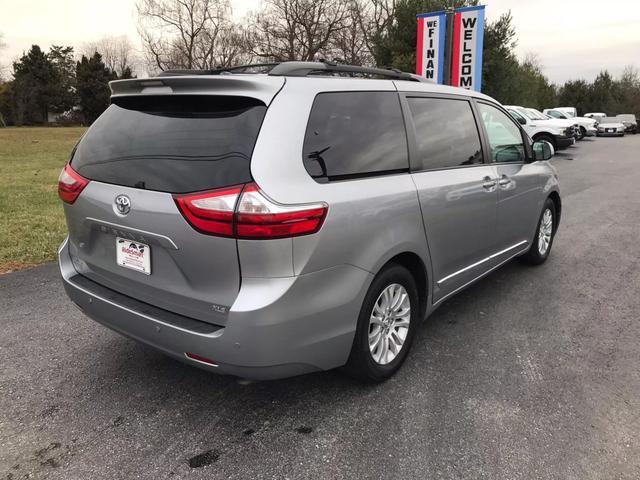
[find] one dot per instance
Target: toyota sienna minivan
(305, 217)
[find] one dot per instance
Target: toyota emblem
(122, 204)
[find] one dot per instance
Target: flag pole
(450, 10)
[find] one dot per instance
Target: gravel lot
(531, 373)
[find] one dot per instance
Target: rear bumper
(277, 327)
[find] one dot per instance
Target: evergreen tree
(397, 47)
(500, 67)
(63, 94)
(32, 90)
(575, 93)
(93, 79)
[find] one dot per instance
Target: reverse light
(246, 212)
(70, 184)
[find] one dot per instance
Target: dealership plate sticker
(133, 255)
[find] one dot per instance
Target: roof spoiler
(262, 87)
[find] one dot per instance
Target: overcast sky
(572, 38)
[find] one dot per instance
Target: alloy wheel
(545, 231)
(389, 323)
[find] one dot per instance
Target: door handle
(504, 181)
(489, 184)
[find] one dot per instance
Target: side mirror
(542, 150)
(521, 120)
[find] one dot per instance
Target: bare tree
(2, 47)
(118, 53)
(349, 44)
(297, 29)
(189, 33)
(374, 18)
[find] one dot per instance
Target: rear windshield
(172, 144)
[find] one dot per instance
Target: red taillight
(247, 213)
(210, 212)
(258, 217)
(70, 184)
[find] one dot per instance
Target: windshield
(172, 144)
(537, 115)
(556, 114)
(517, 116)
(526, 113)
(610, 120)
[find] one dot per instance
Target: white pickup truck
(588, 126)
(560, 133)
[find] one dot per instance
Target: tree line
(54, 83)
(202, 34)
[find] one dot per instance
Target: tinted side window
(505, 138)
(353, 134)
(446, 133)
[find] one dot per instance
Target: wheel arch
(555, 198)
(416, 266)
(546, 136)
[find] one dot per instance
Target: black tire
(548, 138)
(361, 364)
(580, 134)
(534, 256)
(583, 132)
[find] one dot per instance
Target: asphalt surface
(534, 372)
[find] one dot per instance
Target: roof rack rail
(304, 69)
(251, 68)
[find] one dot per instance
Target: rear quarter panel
(369, 220)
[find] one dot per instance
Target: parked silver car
(308, 218)
(611, 127)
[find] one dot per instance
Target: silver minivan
(300, 219)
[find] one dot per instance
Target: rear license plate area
(133, 255)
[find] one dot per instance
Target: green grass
(31, 220)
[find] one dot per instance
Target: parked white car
(588, 126)
(597, 116)
(560, 133)
(572, 111)
(559, 121)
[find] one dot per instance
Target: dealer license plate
(610, 130)
(133, 255)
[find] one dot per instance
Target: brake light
(70, 184)
(246, 212)
(210, 212)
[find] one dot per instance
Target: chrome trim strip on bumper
(484, 260)
(216, 334)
